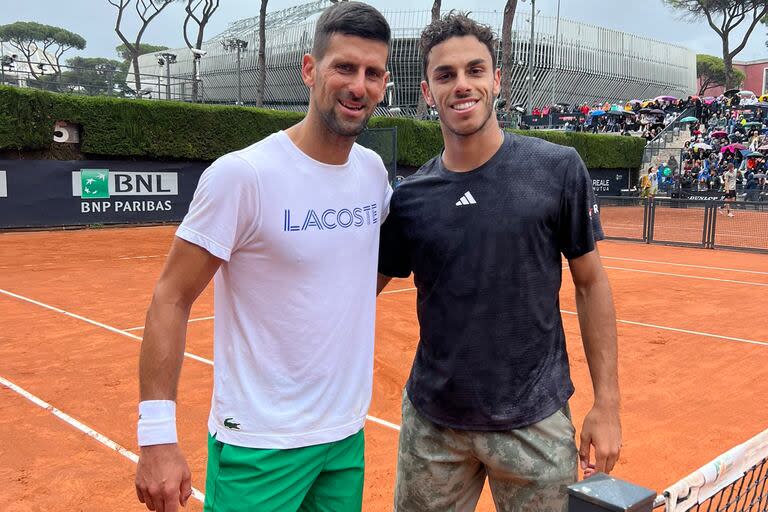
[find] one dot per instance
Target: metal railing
(665, 136)
(707, 224)
(103, 81)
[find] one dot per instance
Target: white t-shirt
(729, 178)
(295, 299)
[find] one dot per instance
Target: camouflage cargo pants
(443, 470)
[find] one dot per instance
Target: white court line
(211, 318)
(665, 328)
(685, 265)
(384, 422)
(698, 333)
(634, 227)
(128, 454)
(51, 263)
(133, 336)
(685, 276)
(188, 321)
(398, 291)
(94, 322)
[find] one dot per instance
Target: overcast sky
(95, 19)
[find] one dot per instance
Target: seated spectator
(715, 182)
(686, 180)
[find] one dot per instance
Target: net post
(602, 492)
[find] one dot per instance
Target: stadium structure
(15, 70)
(579, 61)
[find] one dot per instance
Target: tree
(506, 53)
(147, 10)
(731, 14)
(710, 71)
(29, 37)
(421, 107)
(143, 48)
(201, 20)
(84, 75)
(121, 76)
(261, 77)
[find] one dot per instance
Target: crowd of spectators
(727, 131)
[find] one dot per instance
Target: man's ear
(384, 82)
(427, 93)
(308, 69)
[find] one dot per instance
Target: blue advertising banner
(47, 193)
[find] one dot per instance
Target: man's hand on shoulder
(163, 478)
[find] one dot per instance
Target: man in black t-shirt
(482, 227)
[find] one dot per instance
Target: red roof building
(756, 72)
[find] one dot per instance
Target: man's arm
(597, 319)
(163, 479)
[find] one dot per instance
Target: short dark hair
(455, 24)
(350, 19)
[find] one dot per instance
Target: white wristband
(157, 422)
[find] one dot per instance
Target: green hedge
(173, 130)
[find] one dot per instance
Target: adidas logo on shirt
(466, 199)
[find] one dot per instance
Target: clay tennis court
(693, 364)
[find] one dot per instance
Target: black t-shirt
(485, 250)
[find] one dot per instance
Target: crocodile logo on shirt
(231, 424)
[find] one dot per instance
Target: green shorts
(326, 477)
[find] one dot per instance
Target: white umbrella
(702, 145)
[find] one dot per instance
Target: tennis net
(735, 481)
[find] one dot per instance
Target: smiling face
(347, 83)
(462, 84)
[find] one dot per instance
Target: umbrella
(657, 112)
(763, 98)
(689, 119)
(753, 123)
(746, 94)
(703, 146)
(759, 176)
(563, 104)
(731, 92)
(597, 113)
(616, 112)
(634, 101)
(718, 134)
(754, 154)
(665, 98)
(732, 148)
(645, 110)
(763, 148)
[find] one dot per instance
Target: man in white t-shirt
(654, 177)
(729, 185)
(289, 227)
